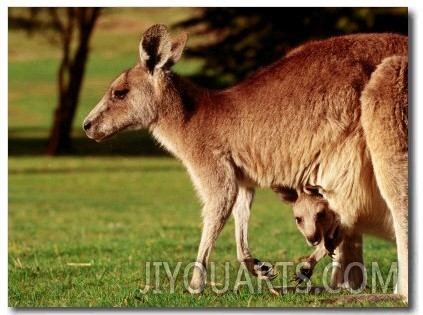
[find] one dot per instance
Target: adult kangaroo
(294, 124)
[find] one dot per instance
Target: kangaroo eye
(120, 94)
(298, 220)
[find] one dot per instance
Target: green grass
(81, 231)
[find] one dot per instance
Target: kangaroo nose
(87, 125)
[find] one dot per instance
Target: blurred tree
(73, 27)
(237, 41)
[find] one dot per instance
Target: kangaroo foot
(260, 269)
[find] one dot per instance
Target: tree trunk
(70, 76)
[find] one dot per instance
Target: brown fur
(292, 124)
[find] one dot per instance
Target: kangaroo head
(313, 216)
(134, 99)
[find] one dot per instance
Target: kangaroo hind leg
(385, 123)
(218, 189)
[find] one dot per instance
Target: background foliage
(246, 39)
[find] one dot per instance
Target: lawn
(86, 231)
(118, 223)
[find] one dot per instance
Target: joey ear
(157, 50)
(314, 190)
(287, 195)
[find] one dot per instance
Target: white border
(415, 171)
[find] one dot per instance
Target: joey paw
(303, 276)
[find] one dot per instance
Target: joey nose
(87, 125)
(313, 240)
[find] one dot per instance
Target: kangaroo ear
(155, 47)
(178, 45)
(157, 50)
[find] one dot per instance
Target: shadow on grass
(97, 169)
(139, 143)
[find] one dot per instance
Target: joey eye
(298, 220)
(120, 94)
